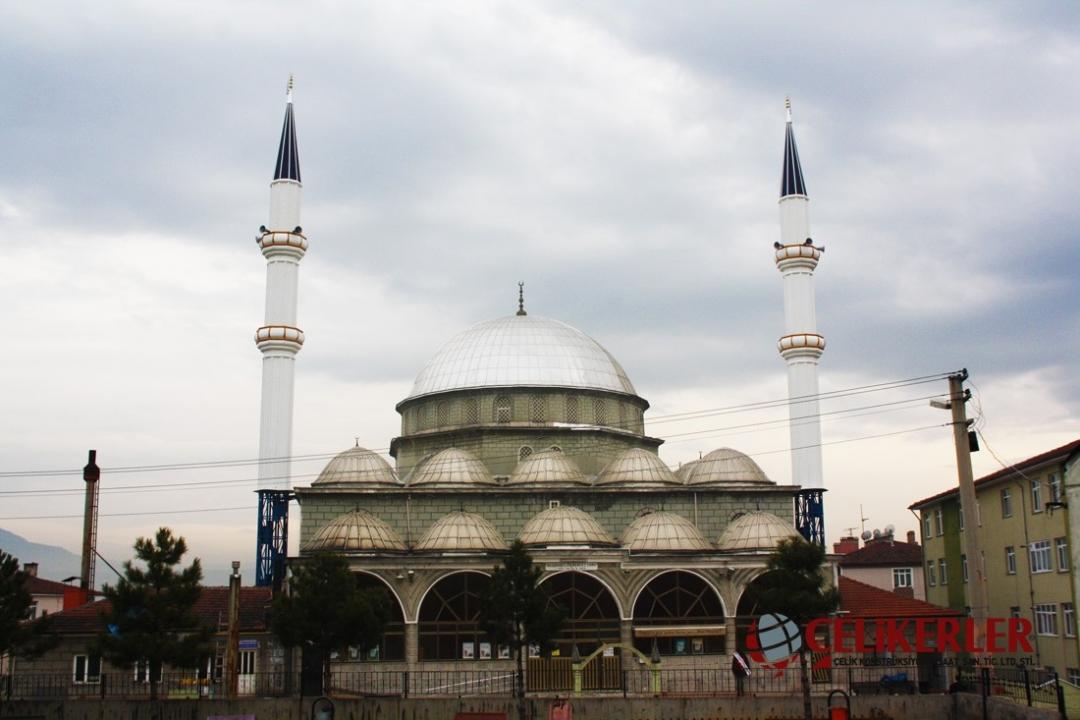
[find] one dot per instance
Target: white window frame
(87, 664)
(1068, 619)
(1010, 560)
(1036, 496)
(1039, 559)
(931, 573)
(1006, 503)
(927, 526)
(939, 521)
(1061, 545)
(1073, 675)
(943, 571)
(903, 577)
(141, 672)
(960, 514)
(1053, 481)
(964, 568)
(1046, 619)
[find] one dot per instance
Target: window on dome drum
(538, 408)
(555, 448)
(1062, 554)
(392, 645)
(504, 409)
(668, 609)
(524, 452)
(420, 419)
(1046, 619)
(449, 619)
(442, 414)
(1039, 556)
(590, 611)
(1036, 496)
(1006, 503)
(472, 412)
(1010, 560)
(599, 411)
(571, 409)
(622, 416)
(902, 577)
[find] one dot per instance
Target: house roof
(861, 600)
(884, 553)
(40, 586)
(1057, 454)
(212, 608)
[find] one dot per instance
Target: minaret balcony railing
(279, 336)
(277, 241)
(799, 254)
(801, 344)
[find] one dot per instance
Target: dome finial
(288, 90)
(521, 299)
(357, 438)
(787, 106)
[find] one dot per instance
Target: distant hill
(54, 562)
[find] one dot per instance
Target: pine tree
(19, 635)
(326, 610)
(152, 619)
(516, 611)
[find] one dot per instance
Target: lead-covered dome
(448, 468)
(723, 466)
(637, 466)
(757, 530)
(662, 531)
(547, 466)
(461, 531)
(354, 531)
(564, 525)
(522, 350)
(357, 465)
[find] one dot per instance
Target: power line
(127, 514)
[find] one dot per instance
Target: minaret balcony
(800, 345)
(798, 255)
(282, 242)
(279, 337)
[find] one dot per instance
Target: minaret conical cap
(791, 183)
(288, 157)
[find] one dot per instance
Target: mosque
(524, 427)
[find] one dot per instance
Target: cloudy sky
(621, 158)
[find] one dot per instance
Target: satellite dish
(866, 535)
(890, 529)
(877, 533)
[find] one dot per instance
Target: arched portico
(679, 613)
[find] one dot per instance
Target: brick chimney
(846, 545)
(30, 569)
(911, 537)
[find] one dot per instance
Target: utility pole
(969, 506)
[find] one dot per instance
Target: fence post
(624, 673)
(985, 675)
(1060, 691)
(405, 683)
(1027, 682)
(102, 684)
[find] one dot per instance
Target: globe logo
(778, 637)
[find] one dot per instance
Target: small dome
(564, 525)
(684, 470)
(354, 531)
(637, 466)
(663, 531)
(547, 466)
(357, 465)
(724, 466)
(450, 467)
(461, 531)
(756, 530)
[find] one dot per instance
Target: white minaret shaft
(279, 339)
(802, 345)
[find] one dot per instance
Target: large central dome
(522, 350)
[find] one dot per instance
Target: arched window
(555, 448)
(442, 414)
(472, 412)
(449, 625)
(504, 409)
(539, 406)
(590, 611)
(571, 409)
(622, 416)
(599, 411)
(524, 452)
(679, 600)
(392, 645)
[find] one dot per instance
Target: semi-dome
(522, 350)
(660, 531)
(564, 525)
(757, 530)
(724, 466)
(357, 465)
(354, 531)
(461, 531)
(547, 466)
(637, 466)
(450, 467)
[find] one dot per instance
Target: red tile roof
(883, 553)
(1058, 453)
(40, 586)
(212, 609)
(862, 600)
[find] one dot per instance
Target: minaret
(279, 339)
(801, 345)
